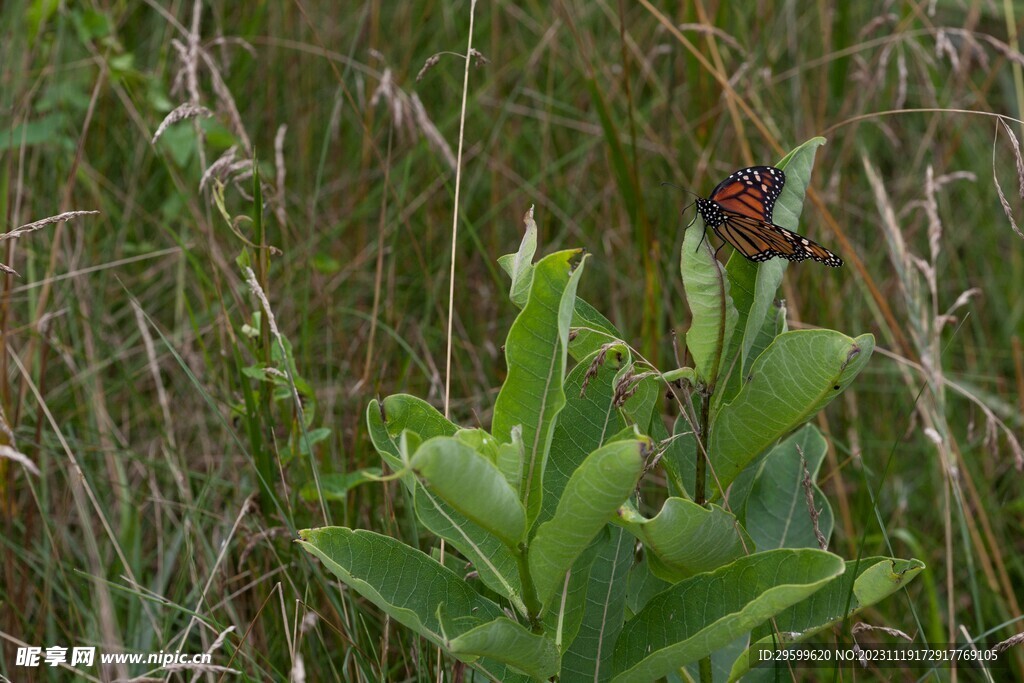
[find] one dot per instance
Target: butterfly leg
(692, 219)
(702, 238)
(719, 236)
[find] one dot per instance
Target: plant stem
(530, 598)
(699, 492)
(706, 675)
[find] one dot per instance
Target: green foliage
(796, 376)
(382, 569)
(536, 351)
(602, 483)
(150, 437)
(686, 539)
(388, 421)
(776, 515)
(544, 508)
(699, 615)
(714, 315)
(473, 485)
(793, 375)
(335, 486)
(508, 642)
(870, 580)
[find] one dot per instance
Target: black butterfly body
(739, 210)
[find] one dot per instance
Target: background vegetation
(126, 338)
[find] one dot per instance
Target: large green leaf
(506, 641)
(798, 165)
(487, 670)
(590, 328)
(480, 441)
(510, 458)
(587, 420)
(753, 287)
(775, 510)
(589, 656)
(686, 539)
(701, 614)
(873, 579)
(535, 351)
(336, 485)
(644, 586)
(473, 485)
(680, 456)
(591, 498)
(722, 660)
(386, 421)
(795, 377)
(490, 557)
(566, 614)
(402, 581)
(645, 394)
(749, 284)
(713, 313)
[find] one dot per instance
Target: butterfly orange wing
(750, 192)
(760, 240)
(740, 211)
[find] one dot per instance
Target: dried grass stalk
(432, 61)
(279, 208)
(32, 227)
(1020, 175)
(20, 458)
(861, 627)
(181, 113)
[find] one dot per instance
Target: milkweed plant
(554, 567)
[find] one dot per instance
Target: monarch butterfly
(740, 212)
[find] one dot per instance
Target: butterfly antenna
(687, 208)
(681, 189)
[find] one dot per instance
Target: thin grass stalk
(962, 506)
(1011, 34)
(379, 271)
(455, 235)
(87, 507)
(455, 213)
